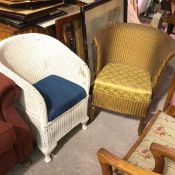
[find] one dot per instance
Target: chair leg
(93, 112)
(84, 126)
(47, 152)
(47, 158)
(84, 123)
(141, 126)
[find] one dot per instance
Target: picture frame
(96, 16)
(69, 32)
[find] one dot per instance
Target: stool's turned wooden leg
(141, 126)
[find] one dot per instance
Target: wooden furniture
(170, 100)
(53, 27)
(7, 30)
(69, 32)
(128, 67)
(154, 151)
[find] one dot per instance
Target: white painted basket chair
(26, 59)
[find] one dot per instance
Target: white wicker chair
(26, 59)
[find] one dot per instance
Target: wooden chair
(154, 151)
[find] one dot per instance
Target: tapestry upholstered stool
(154, 151)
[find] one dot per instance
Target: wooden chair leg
(93, 111)
(141, 126)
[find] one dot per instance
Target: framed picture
(69, 32)
(96, 16)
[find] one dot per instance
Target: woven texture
(162, 132)
(133, 46)
(122, 82)
(28, 58)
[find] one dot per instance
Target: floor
(75, 154)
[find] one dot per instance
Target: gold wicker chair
(130, 60)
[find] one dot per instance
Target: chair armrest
(160, 152)
(70, 67)
(7, 136)
(108, 160)
(30, 100)
(34, 105)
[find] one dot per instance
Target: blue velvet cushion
(59, 94)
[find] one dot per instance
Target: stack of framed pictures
(21, 13)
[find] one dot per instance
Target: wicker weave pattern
(119, 80)
(136, 45)
(132, 45)
(26, 59)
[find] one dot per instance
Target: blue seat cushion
(59, 94)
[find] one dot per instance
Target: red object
(15, 135)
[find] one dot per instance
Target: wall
(142, 5)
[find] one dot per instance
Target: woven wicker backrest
(28, 55)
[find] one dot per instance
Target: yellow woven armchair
(130, 60)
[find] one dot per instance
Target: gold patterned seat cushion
(124, 81)
(162, 132)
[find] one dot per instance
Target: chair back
(27, 55)
(135, 45)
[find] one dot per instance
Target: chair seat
(123, 88)
(59, 94)
(162, 132)
(124, 81)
